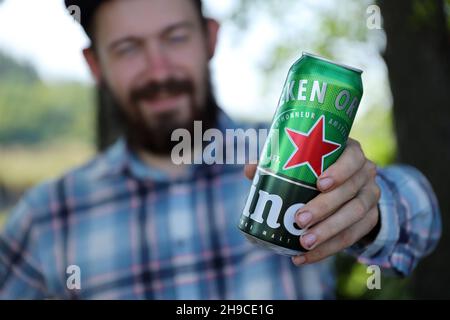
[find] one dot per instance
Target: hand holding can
(310, 129)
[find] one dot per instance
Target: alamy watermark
(75, 12)
(234, 146)
(73, 277)
(373, 21)
(374, 280)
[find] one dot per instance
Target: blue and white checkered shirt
(136, 233)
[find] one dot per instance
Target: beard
(155, 136)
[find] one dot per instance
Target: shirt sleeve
(20, 272)
(410, 221)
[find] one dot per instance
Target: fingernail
(298, 260)
(325, 183)
(309, 240)
(304, 218)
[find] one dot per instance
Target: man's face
(153, 55)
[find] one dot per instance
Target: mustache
(154, 89)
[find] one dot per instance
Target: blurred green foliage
(23, 166)
(38, 113)
(328, 25)
(13, 71)
(33, 112)
(352, 283)
(375, 131)
(45, 128)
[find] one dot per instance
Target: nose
(158, 66)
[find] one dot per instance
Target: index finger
(350, 162)
(250, 170)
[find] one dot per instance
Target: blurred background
(51, 117)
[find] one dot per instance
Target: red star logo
(310, 148)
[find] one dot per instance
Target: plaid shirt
(136, 233)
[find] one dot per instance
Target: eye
(178, 37)
(127, 49)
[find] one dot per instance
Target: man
(131, 224)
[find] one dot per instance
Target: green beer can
(308, 134)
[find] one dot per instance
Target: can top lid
(329, 61)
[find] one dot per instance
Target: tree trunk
(417, 56)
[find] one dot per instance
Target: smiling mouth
(163, 102)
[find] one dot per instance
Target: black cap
(87, 10)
